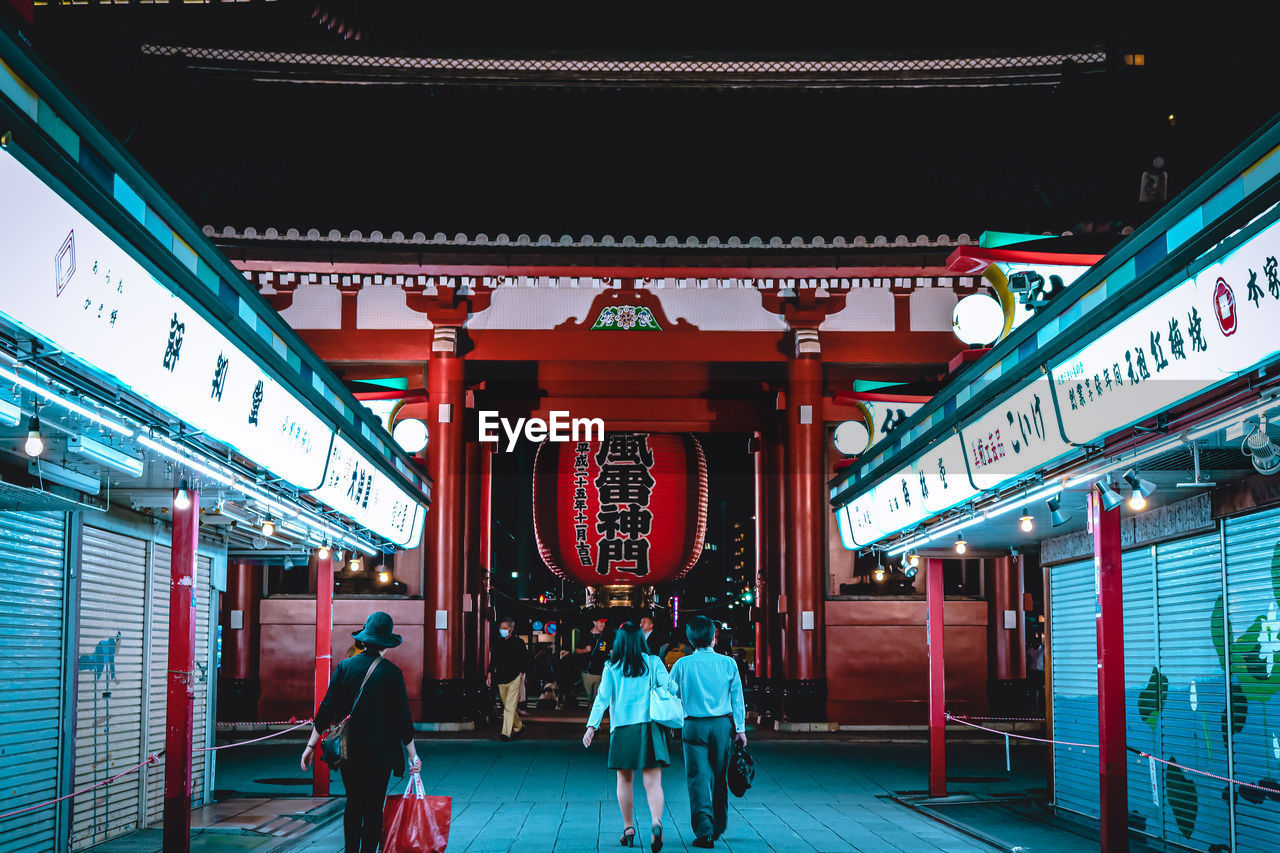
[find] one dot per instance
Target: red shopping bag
(416, 823)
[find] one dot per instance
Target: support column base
(804, 700)
(453, 699)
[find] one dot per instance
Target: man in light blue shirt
(711, 691)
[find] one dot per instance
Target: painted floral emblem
(626, 318)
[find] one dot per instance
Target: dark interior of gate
(942, 381)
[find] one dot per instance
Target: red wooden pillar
(486, 557)
(239, 688)
(471, 562)
(443, 695)
(180, 707)
(1110, 617)
(806, 664)
(760, 604)
(777, 558)
(324, 656)
(935, 619)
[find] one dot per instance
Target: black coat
(380, 723)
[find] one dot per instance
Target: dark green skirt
(638, 746)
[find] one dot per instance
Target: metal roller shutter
(32, 596)
(110, 684)
(204, 568)
(1139, 661)
(1184, 698)
(1252, 553)
(1073, 643)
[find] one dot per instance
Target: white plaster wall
(534, 307)
(931, 309)
(719, 309)
(866, 309)
(383, 306)
(315, 306)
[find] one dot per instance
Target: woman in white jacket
(636, 742)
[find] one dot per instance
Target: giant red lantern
(627, 511)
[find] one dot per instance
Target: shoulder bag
(334, 748)
(665, 707)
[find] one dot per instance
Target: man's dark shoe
(704, 843)
(504, 738)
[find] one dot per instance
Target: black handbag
(742, 770)
(334, 748)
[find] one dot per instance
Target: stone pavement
(552, 795)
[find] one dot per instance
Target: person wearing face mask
(508, 663)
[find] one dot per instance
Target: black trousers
(708, 743)
(366, 788)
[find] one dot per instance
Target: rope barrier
(1134, 750)
(151, 759)
(1001, 719)
(1151, 757)
(254, 740)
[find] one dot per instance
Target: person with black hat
(371, 691)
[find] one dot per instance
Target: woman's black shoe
(655, 840)
(628, 837)
(704, 843)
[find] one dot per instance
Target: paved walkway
(552, 795)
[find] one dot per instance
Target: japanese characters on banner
(1015, 437)
(886, 416)
(64, 280)
(359, 490)
(1203, 331)
(630, 509)
(934, 482)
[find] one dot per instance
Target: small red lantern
(627, 511)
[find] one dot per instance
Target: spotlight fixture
(878, 574)
(268, 527)
(913, 560)
(1109, 496)
(1259, 447)
(910, 572)
(961, 545)
(323, 553)
(1055, 511)
(1142, 490)
(354, 565)
(1026, 523)
(182, 500)
(35, 441)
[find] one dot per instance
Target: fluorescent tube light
(107, 455)
(64, 476)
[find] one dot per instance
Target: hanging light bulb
(1142, 489)
(1026, 523)
(354, 565)
(878, 574)
(268, 527)
(182, 500)
(384, 577)
(35, 441)
(961, 545)
(913, 560)
(323, 553)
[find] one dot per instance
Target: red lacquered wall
(877, 661)
(287, 641)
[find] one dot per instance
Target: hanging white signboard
(65, 281)
(1199, 333)
(358, 490)
(1015, 437)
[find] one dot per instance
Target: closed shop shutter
(1073, 642)
(161, 571)
(32, 596)
(110, 684)
(1183, 698)
(1252, 548)
(1139, 661)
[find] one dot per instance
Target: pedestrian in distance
(593, 650)
(508, 664)
(650, 639)
(636, 742)
(371, 690)
(711, 690)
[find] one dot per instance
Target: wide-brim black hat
(377, 631)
